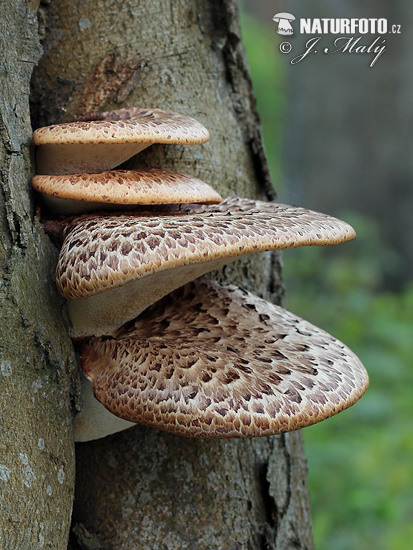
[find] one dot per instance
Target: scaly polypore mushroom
(113, 137)
(211, 360)
(75, 193)
(283, 20)
(113, 267)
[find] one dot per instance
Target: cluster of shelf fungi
(160, 346)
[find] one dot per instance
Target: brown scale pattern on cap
(152, 186)
(144, 126)
(212, 360)
(118, 114)
(102, 252)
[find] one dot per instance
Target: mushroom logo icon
(284, 23)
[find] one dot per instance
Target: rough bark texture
(146, 489)
(36, 356)
(143, 488)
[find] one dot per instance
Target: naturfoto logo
(343, 26)
(284, 23)
(350, 33)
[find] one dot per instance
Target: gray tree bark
(36, 355)
(141, 488)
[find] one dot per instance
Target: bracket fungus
(208, 360)
(112, 267)
(211, 360)
(76, 193)
(108, 139)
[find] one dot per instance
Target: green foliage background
(361, 461)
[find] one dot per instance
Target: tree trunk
(141, 488)
(36, 355)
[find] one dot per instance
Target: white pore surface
(74, 158)
(94, 421)
(104, 313)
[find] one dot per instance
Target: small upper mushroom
(99, 145)
(112, 267)
(75, 193)
(211, 360)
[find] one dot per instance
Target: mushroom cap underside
(146, 126)
(101, 252)
(152, 186)
(211, 360)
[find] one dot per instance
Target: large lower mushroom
(111, 268)
(212, 360)
(101, 144)
(76, 193)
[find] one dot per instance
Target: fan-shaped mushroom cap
(71, 194)
(98, 145)
(212, 360)
(114, 267)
